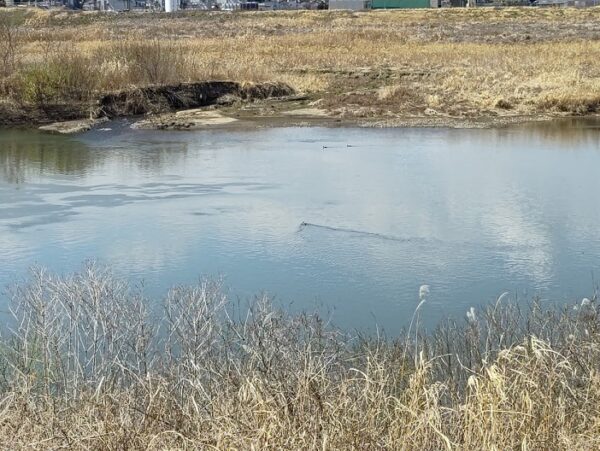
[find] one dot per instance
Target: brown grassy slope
(377, 65)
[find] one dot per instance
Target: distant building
(353, 5)
(400, 4)
(552, 2)
(565, 3)
(361, 5)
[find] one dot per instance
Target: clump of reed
(88, 363)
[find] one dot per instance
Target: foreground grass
(380, 66)
(86, 367)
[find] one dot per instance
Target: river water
(349, 221)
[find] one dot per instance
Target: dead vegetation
(89, 363)
(377, 66)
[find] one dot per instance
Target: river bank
(237, 114)
(480, 67)
(155, 101)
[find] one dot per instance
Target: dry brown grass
(453, 63)
(87, 366)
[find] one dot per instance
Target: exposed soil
(187, 96)
(72, 127)
(299, 111)
(141, 101)
(12, 115)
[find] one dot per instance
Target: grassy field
(379, 67)
(87, 366)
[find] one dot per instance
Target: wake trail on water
(381, 236)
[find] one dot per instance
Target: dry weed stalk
(87, 364)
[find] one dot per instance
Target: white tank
(170, 6)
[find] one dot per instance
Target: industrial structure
(171, 6)
(400, 4)
(362, 5)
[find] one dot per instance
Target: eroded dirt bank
(144, 101)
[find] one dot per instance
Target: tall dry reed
(89, 363)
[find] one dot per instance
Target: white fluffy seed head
(472, 381)
(471, 317)
(423, 292)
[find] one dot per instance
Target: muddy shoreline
(230, 105)
(243, 120)
(152, 100)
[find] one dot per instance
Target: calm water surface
(355, 227)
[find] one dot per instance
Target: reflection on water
(29, 155)
(356, 226)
